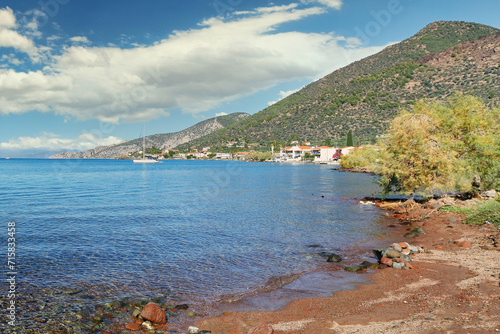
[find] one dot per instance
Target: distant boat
(144, 160)
(7, 158)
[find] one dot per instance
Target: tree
(328, 142)
(349, 139)
(441, 147)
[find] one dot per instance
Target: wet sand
(452, 289)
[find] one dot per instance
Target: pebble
(193, 330)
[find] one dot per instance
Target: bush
(487, 212)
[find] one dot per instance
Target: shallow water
(182, 230)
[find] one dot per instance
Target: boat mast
(143, 140)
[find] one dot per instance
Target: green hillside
(441, 59)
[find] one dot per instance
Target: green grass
(489, 211)
(457, 209)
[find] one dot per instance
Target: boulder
(154, 313)
(414, 233)
(386, 261)
(489, 193)
(397, 247)
(391, 253)
(354, 269)
(334, 258)
(397, 265)
(263, 328)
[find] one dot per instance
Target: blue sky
(75, 74)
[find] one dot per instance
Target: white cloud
(335, 4)
(194, 70)
(12, 39)
(284, 94)
(220, 114)
(80, 39)
(51, 141)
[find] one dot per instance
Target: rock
(440, 247)
(397, 247)
(191, 314)
(489, 193)
(398, 260)
(182, 307)
(334, 258)
(366, 264)
(148, 325)
(383, 266)
(193, 330)
(406, 251)
(398, 265)
(453, 220)
(133, 326)
(404, 245)
(354, 269)
(154, 313)
(263, 328)
(406, 257)
(136, 313)
(408, 265)
(414, 249)
(391, 253)
(414, 233)
(386, 261)
(204, 332)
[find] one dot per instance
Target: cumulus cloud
(10, 38)
(220, 114)
(80, 39)
(194, 70)
(50, 141)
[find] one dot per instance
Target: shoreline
(454, 286)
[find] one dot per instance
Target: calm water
(182, 229)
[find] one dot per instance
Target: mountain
(166, 140)
(441, 59)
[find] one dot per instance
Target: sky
(75, 74)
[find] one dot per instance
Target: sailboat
(144, 160)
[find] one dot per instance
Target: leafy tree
(211, 155)
(259, 156)
(441, 147)
(328, 142)
(349, 139)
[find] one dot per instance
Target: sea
(90, 232)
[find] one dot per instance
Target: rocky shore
(442, 277)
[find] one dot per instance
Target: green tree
(328, 142)
(441, 147)
(349, 139)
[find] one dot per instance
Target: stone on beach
(397, 247)
(334, 258)
(263, 328)
(154, 313)
(414, 233)
(133, 326)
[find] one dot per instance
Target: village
(304, 153)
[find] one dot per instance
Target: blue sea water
(183, 229)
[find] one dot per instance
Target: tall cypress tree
(349, 139)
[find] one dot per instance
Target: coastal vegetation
(437, 147)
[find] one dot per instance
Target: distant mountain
(166, 140)
(441, 59)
